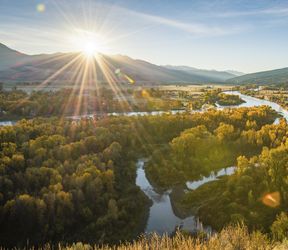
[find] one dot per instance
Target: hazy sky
(244, 35)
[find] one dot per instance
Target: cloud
(112, 21)
(197, 29)
(271, 11)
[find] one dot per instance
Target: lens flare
(41, 7)
(271, 199)
(124, 76)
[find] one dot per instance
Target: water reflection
(7, 123)
(161, 216)
(224, 171)
(132, 113)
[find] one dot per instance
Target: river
(132, 113)
(7, 123)
(253, 101)
(162, 218)
(249, 102)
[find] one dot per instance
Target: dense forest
(216, 143)
(65, 181)
(257, 192)
(64, 102)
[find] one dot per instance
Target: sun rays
(88, 69)
(85, 73)
(90, 43)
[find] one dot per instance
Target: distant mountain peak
(10, 57)
(7, 49)
(3, 45)
(235, 72)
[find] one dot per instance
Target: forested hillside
(277, 76)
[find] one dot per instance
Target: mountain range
(70, 67)
(19, 67)
(212, 75)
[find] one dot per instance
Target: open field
(196, 88)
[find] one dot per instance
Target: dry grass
(231, 238)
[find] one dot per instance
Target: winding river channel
(161, 215)
(162, 218)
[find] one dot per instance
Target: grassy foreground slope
(230, 238)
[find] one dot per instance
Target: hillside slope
(9, 57)
(277, 76)
(232, 237)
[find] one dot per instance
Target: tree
(113, 152)
(113, 209)
(242, 164)
(279, 227)
(225, 132)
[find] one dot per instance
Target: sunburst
(88, 67)
(89, 43)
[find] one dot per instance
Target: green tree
(279, 227)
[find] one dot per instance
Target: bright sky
(243, 35)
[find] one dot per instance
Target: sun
(88, 43)
(90, 49)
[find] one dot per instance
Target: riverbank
(244, 101)
(178, 195)
(179, 209)
(14, 119)
(165, 214)
(251, 101)
(277, 95)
